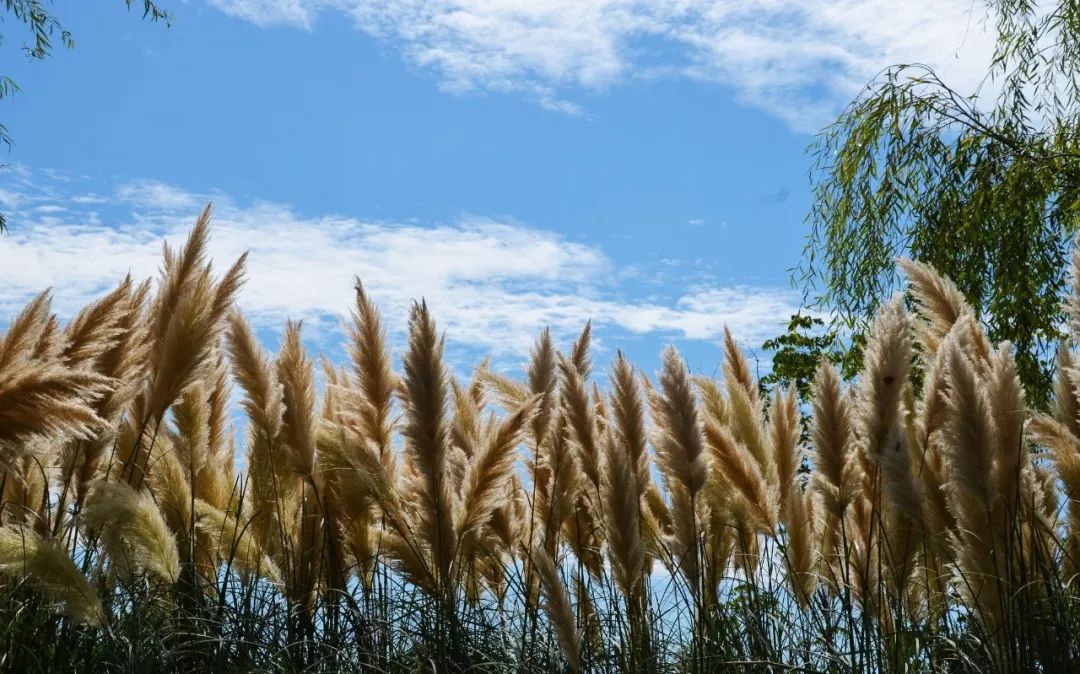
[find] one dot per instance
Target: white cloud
(492, 284)
(155, 195)
(797, 59)
(270, 12)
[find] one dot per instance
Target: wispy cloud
(156, 195)
(271, 12)
(797, 59)
(492, 284)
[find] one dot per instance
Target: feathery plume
(680, 448)
(1072, 303)
(969, 451)
(295, 371)
(541, 380)
(744, 408)
(132, 530)
(489, 473)
(681, 457)
(579, 352)
(24, 330)
(887, 360)
(371, 364)
(784, 438)
(971, 433)
(738, 468)
(577, 410)
(263, 395)
(940, 302)
(24, 554)
(466, 428)
(557, 606)
(235, 544)
(713, 404)
(1008, 410)
(628, 418)
(623, 510)
(835, 472)
(1066, 391)
(427, 441)
(187, 320)
(96, 329)
(47, 400)
(801, 554)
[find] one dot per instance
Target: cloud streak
(492, 284)
(797, 59)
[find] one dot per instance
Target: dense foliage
(984, 184)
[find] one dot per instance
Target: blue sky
(518, 163)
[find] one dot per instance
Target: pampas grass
(25, 555)
(132, 531)
(427, 444)
(681, 456)
(559, 611)
(392, 517)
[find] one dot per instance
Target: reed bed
(386, 519)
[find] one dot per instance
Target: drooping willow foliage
(984, 184)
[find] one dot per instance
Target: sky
(516, 163)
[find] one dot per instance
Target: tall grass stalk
(401, 520)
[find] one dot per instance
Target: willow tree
(983, 185)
